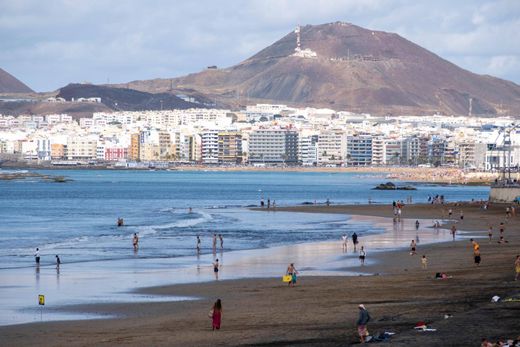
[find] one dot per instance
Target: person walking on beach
(58, 261)
(37, 256)
(198, 243)
(502, 228)
(221, 241)
(363, 319)
(362, 255)
(216, 267)
(476, 252)
(291, 271)
(453, 231)
(413, 246)
(216, 315)
(424, 262)
(214, 242)
(517, 267)
(450, 212)
(345, 241)
(354, 240)
(417, 225)
(490, 233)
(135, 241)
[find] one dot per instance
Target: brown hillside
(355, 69)
(9, 84)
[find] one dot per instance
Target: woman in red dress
(217, 314)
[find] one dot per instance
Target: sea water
(168, 209)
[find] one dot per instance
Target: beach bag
(210, 314)
(287, 278)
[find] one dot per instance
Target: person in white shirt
(37, 256)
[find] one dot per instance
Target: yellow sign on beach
(41, 299)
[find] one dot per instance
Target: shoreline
(322, 310)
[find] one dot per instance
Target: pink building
(116, 153)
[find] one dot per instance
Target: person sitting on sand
(216, 314)
(363, 319)
(291, 271)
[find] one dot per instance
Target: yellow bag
(287, 278)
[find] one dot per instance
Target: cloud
(48, 44)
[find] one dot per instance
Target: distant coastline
(440, 175)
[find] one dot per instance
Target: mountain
(124, 99)
(353, 69)
(9, 84)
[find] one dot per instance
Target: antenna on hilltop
(298, 42)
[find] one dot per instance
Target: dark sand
(321, 311)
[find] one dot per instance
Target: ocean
(77, 221)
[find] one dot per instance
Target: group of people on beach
(215, 237)
(37, 258)
(355, 242)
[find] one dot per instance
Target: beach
(322, 310)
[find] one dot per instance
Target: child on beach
(413, 245)
(216, 266)
(291, 271)
(490, 233)
(362, 255)
(424, 262)
(216, 314)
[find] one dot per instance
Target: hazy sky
(48, 44)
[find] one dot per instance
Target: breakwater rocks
(392, 186)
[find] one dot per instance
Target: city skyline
(48, 45)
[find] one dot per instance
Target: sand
(321, 311)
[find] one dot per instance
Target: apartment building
(229, 148)
(273, 146)
(331, 148)
(359, 150)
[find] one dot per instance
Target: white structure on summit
(298, 51)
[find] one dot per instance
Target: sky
(48, 44)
